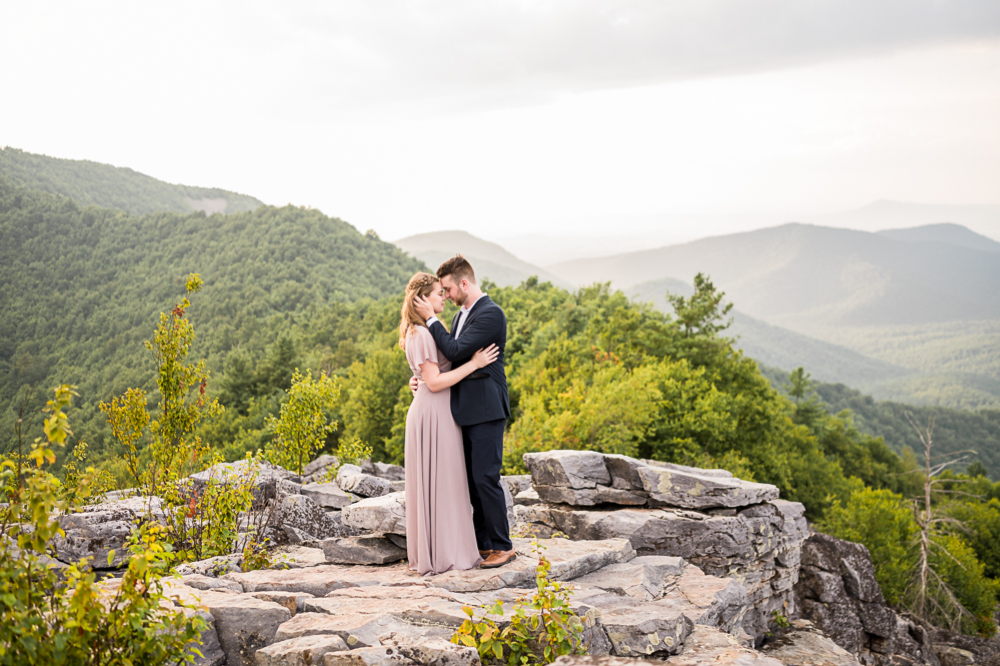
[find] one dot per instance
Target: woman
(439, 532)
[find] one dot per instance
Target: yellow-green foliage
(303, 424)
(52, 618)
(159, 451)
(540, 629)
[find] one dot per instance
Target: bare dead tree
(931, 589)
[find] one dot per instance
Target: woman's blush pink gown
(439, 532)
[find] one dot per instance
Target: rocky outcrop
(98, 529)
(740, 530)
(838, 593)
(665, 561)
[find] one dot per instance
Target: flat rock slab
(293, 601)
(385, 514)
(369, 656)
(297, 557)
(416, 605)
(199, 582)
(647, 578)
(707, 646)
(321, 580)
(358, 630)
(569, 559)
(437, 651)
(374, 549)
(671, 487)
(301, 651)
(212, 567)
(328, 495)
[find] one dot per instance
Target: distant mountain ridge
(91, 183)
(946, 232)
(488, 259)
(805, 275)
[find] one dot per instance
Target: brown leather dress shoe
(498, 558)
(485, 553)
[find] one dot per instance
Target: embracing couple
(456, 516)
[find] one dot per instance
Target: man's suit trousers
(483, 460)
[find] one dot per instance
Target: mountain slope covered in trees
(92, 183)
(83, 286)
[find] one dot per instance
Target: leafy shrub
(51, 617)
(541, 629)
(302, 426)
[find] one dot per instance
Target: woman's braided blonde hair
(421, 284)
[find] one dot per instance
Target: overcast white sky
(506, 118)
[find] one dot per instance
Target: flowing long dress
(439, 532)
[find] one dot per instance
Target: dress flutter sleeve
(421, 348)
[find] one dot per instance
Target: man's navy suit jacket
(482, 396)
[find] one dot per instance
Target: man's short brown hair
(459, 268)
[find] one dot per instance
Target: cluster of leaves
(540, 628)
(303, 424)
(50, 616)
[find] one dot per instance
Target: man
(479, 402)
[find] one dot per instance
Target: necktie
(458, 324)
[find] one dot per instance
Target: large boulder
(265, 477)
(98, 529)
(385, 514)
(803, 645)
(372, 549)
(328, 495)
(838, 594)
(365, 485)
(588, 478)
(383, 470)
(305, 515)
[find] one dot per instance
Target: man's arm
(477, 334)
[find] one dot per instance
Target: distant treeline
(954, 430)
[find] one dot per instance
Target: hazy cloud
(394, 50)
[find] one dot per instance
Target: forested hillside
(91, 183)
(954, 429)
(920, 303)
(83, 286)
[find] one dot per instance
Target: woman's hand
(484, 357)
